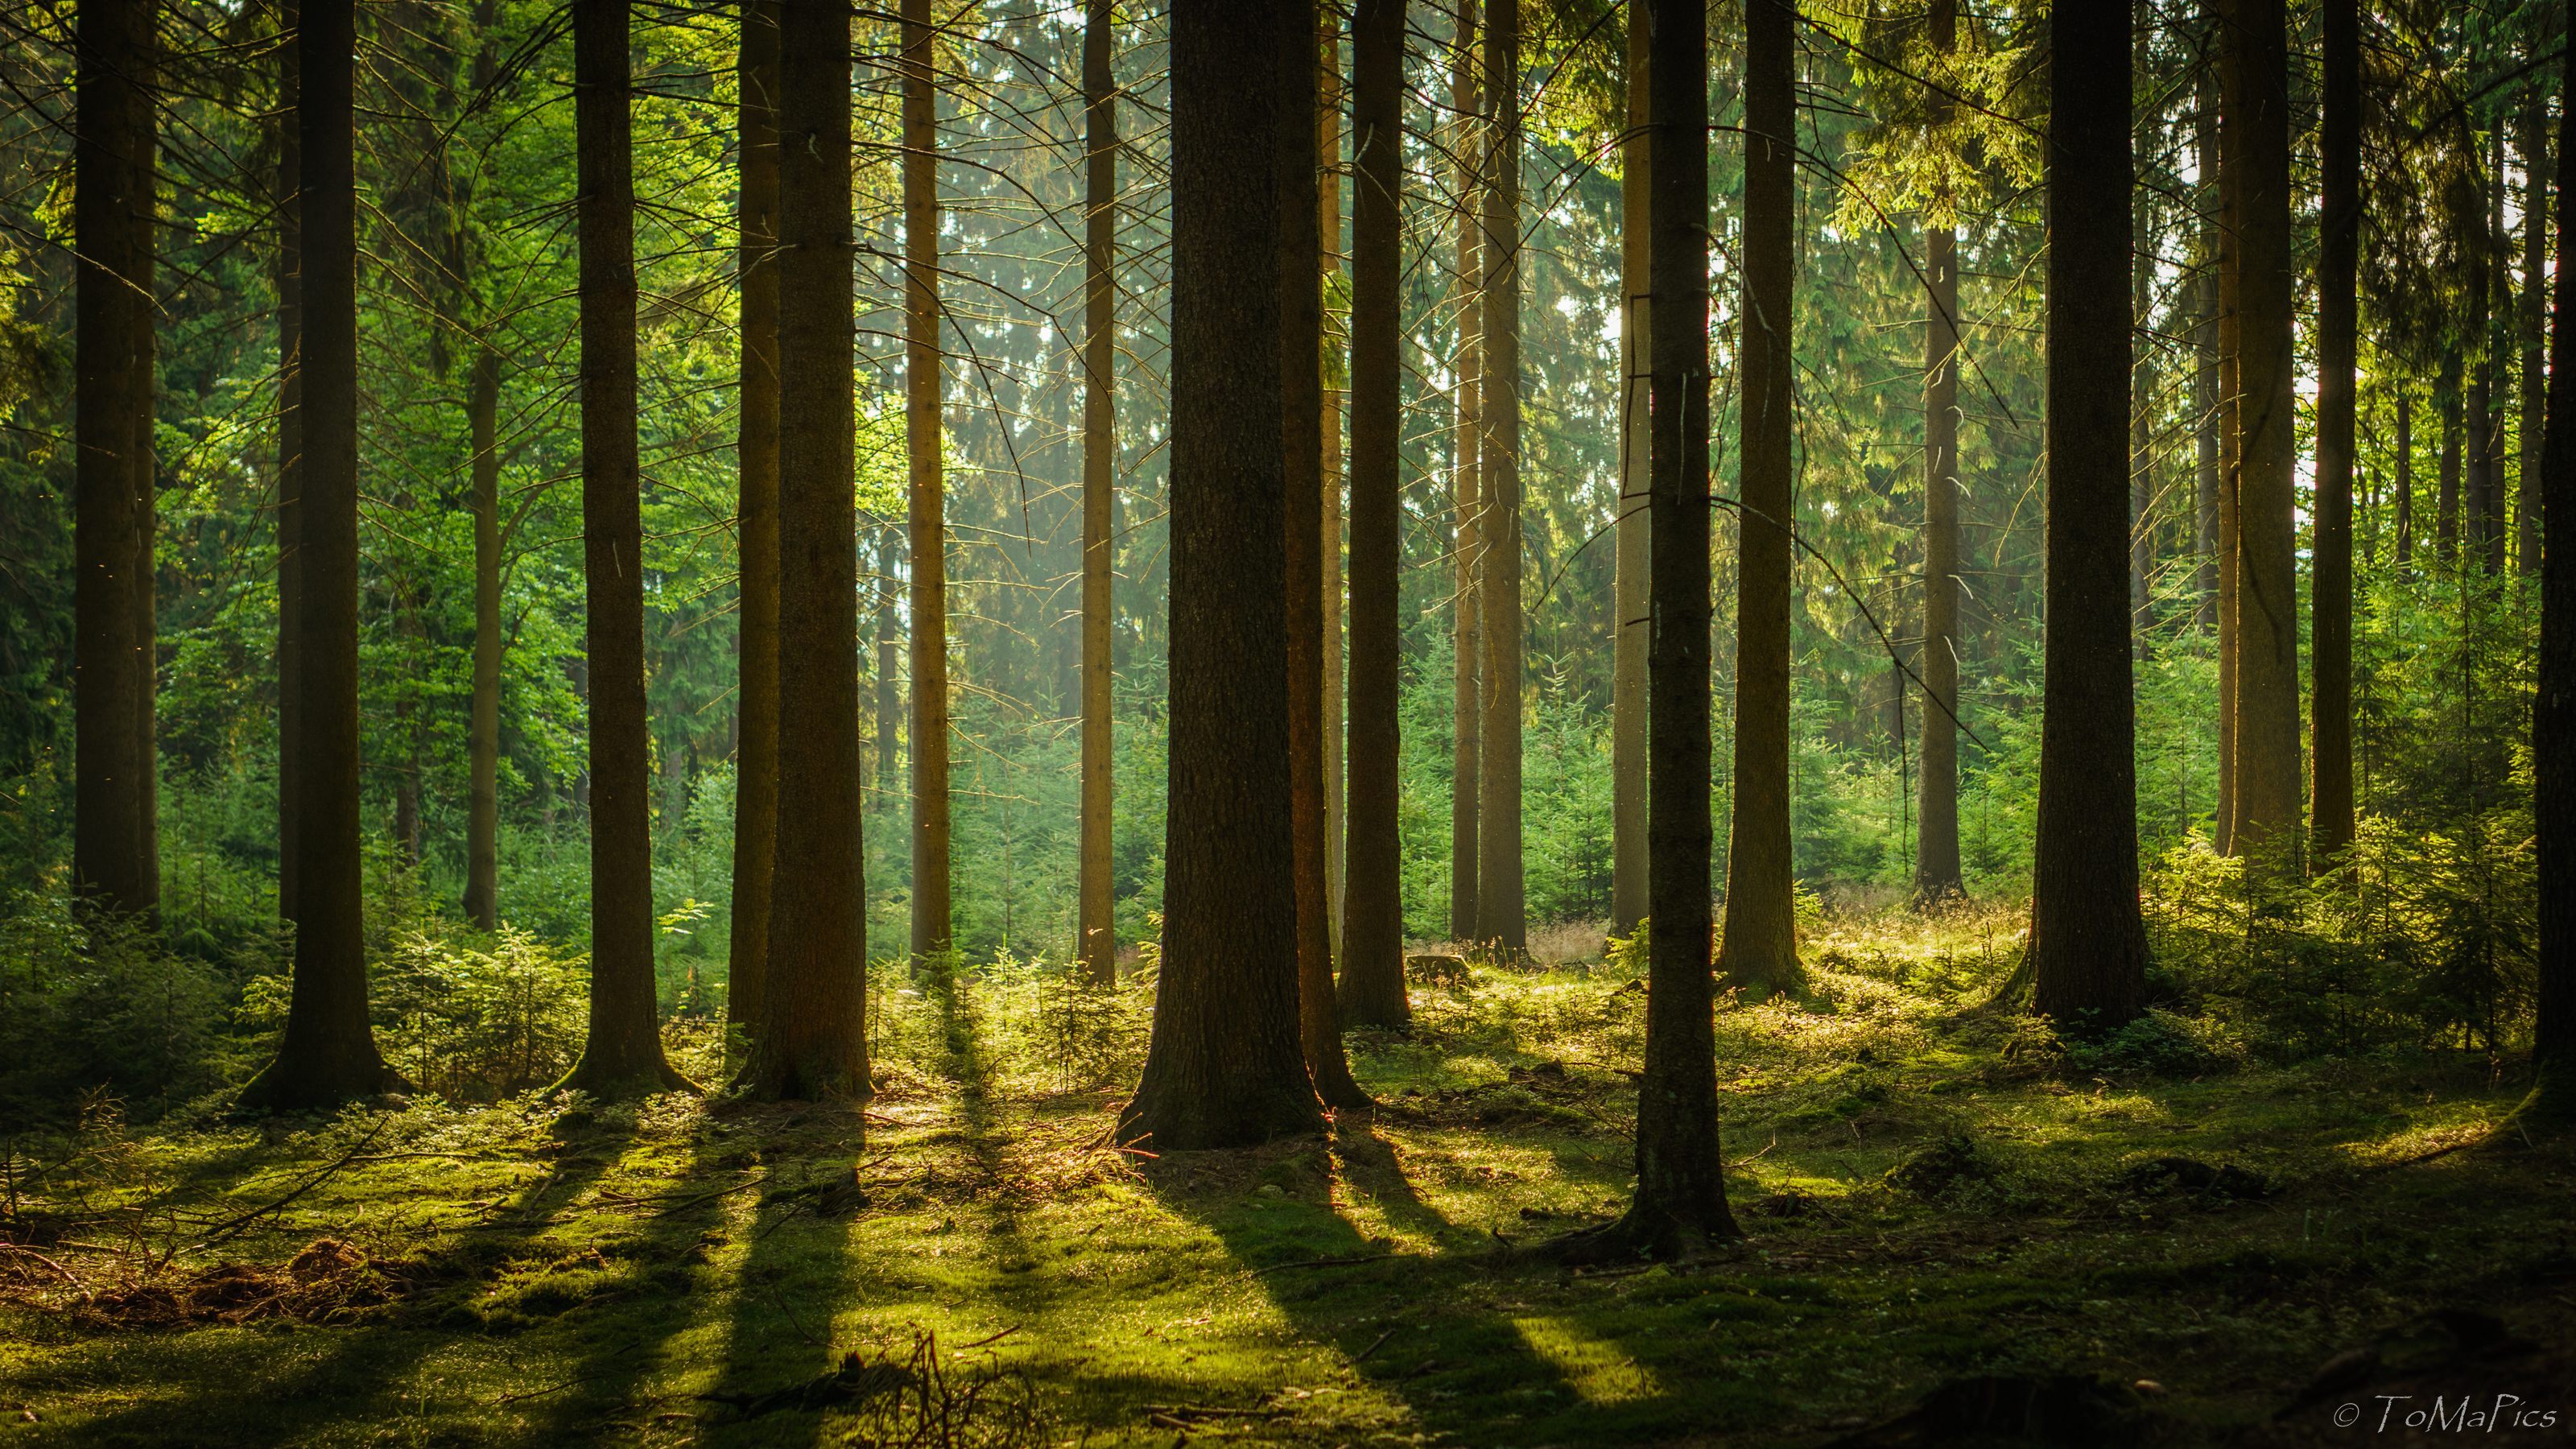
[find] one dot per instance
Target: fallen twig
(994, 1338)
(1362, 1355)
(41, 1258)
(240, 1224)
(1323, 1263)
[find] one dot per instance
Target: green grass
(586, 1278)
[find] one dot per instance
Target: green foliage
(100, 1009)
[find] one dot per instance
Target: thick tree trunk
(2229, 39)
(1500, 917)
(2553, 713)
(622, 1055)
(328, 1051)
(1097, 943)
(1301, 401)
(2268, 807)
(1630, 766)
(114, 870)
(2208, 409)
(923, 372)
(1760, 956)
(1938, 879)
(1466, 760)
(483, 747)
(1371, 990)
(1330, 98)
(1225, 1067)
(2088, 945)
(290, 450)
(1680, 1202)
(2330, 818)
(755, 785)
(2142, 458)
(814, 993)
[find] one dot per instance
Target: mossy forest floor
(668, 1274)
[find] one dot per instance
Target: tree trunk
(1680, 1202)
(2208, 409)
(1937, 877)
(113, 866)
(924, 374)
(1499, 914)
(622, 1056)
(1371, 990)
(2477, 460)
(483, 765)
(1328, 235)
(889, 639)
(1225, 1067)
(2142, 457)
(2532, 333)
(1097, 919)
(328, 1051)
(2330, 819)
(2553, 714)
(1466, 766)
(2229, 41)
(755, 784)
(290, 452)
(1761, 949)
(814, 993)
(2405, 505)
(2088, 945)
(1630, 765)
(2446, 501)
(2268, 807)
(1301, 399)
(407, 628)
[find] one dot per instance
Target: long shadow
(792, 1282)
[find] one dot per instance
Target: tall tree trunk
(407, 627)
(924, 375)
(1937, 876)
(2229, 41)
(483, 764)
(1301, 399)
(2405, 504)
(2330, 819)
(1466, 763)
(889, 638)
(1330, 99)
(814, 993)
(2553, 714)
(1760, 955)
(2142, 458)
(1630, 766)
(1371, 990)
(2268, 807)
(2530, 326)
(328, 1051)
(1225, 1067)
(115, 145)
(1097, 922)
(1680, 1202)
(2207, 407)
(1500, 917)
(290, 451)
(2446, 499)
(2088, 945)
(622, 1055)
(755, 797)
(2477, 453)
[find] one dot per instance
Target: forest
(1329, 722)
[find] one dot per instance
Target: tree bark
(1330, 99)
(2088, 946)
(114, 870)
(622, 1055)
(2231, 393)
(2553, 713)
(2268, 807)
(755, 786)
(2330, 816)
(1466, 761)
(1371, 990)
(2142, 457)
(1761, 947)
(2446, 500)
(1096, 916)
(483, 765)
(290, 451)
(889, 639)
(1301, 400)
(1630, 765)
(1938, 879)
(2405, 503)
(1225, 1067)
(814, 993)
(2532, 330)
(2207, 400)
(1500, 917)
(328, 1051)
(924, 375)
(1680, 1202)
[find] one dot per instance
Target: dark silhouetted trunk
(2088, 945)
(2553, 714)
(1467, 489)
(483, 746)
(1500, 917)
(1630, 765)
(2268, 803)
(755, 786)
(2531, 332)
(2208, 413)
(1761, 947)
(2330, 821)
(114, 869)
(2228, 39)
(813, 1043)
(1225, 1067)
(923, 372)
(1097, 934)
(328, 1051)
(1937, 876)
(290, 452)
(1371, 990)
(622, 1055)
(2446, 499)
